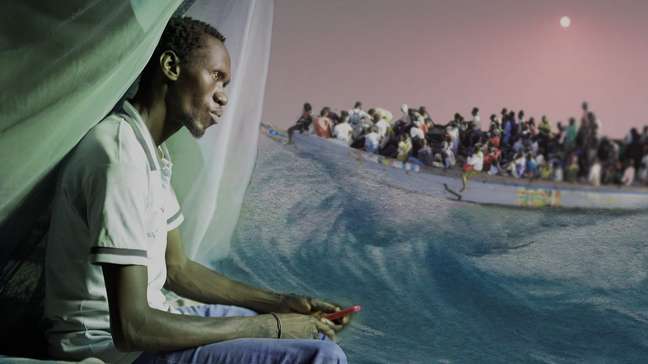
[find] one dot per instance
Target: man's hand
(298, 326)
(311, 306)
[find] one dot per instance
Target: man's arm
(137, 327)
(195, 281)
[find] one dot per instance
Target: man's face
(197, 99)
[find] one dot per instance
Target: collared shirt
(114, 205)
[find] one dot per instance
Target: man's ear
(170, 64)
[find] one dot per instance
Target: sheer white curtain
(211, 174)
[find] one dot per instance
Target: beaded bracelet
(278, 324)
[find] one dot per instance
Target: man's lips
(215, 116)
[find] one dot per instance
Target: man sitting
(475, 162)
(114, 242)
(303, 123)
(323, 125)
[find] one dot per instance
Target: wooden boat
(480, 188)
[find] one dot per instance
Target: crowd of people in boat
(509, 144)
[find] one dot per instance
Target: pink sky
(452, 55)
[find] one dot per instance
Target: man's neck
(152, 109)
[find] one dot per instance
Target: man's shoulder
(111, 141)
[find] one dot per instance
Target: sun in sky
(565, 22)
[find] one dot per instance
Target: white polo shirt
(114, 205)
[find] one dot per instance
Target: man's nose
(221, 98)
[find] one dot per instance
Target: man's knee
(329, 352)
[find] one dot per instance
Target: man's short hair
(182, 35)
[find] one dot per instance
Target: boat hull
(482, 189)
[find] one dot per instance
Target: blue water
(443, 281)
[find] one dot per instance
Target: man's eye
(218, 75)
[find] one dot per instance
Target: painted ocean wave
(442, 281)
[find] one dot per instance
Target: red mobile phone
(339, 314)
